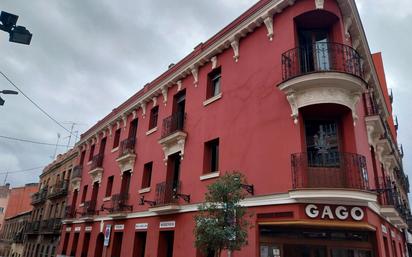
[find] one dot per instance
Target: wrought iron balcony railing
(321, 57)
(169, 192)
(370, 104)
(39, 197)
(389, 196)
(32, 227)
(97, 161)
(119, 204)
(77, 172)
(332, 170)
(89, 208)
(59, 189)
(173, 123)
(127, 146)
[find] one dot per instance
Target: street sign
(107, 235)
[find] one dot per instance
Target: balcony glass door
(322, 143)
(314, 50)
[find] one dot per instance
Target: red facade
(287, 94)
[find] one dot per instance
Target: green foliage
(221, 223)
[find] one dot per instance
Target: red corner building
(290, 95)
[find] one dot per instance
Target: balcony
(39, 197)
(173, 136)
(33, 227)
(322, 73)
(58, 190)
(96, 168)
(76, 177)
(18, 238)
(119, 206)
(392, 206)
(127, 155)
(50, 226)
(89, 209)
(330, 176)
(167, 197)
(331, 170)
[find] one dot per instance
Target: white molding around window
(153, 130)
(212, 99)
(89, 162)
(210, 175)
(106, 199)
(144, 190)
(81, 205)
(114, 149)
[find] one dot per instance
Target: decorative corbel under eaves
(179, 85)
(117, 125)
(319, 4)
(109, 128)
(134, 114)
(164, 94)
(195, 72)
(214, 62)
(235, 46)
(124, 119)
(269, 26)
(348, 24)
(154, 100)
(143, 106)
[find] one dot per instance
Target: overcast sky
(88, 56)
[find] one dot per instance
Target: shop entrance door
(304, 251)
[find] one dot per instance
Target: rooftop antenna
(57, 144)
(5, 178)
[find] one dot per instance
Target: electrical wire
(24, 170)
(38, 107)
(32, 142)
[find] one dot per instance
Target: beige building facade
(49, 203)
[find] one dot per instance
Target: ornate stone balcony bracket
(323, 88)
(173, 143)
(269, 25)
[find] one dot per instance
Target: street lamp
(7, 92)
(17, 34)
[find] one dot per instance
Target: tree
(221, 223)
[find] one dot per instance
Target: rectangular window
(133, 128)
(211, 156)
(147, 175)
(214, 82)
(116, 140)
(91, 152)
(109, 186)
(154, 114)
(83, 154)
(84, 193)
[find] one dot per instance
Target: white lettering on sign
(88, 229)
(384, 230)
(118, 227)
(68, 229)
(77, 229)
(340, 212)
(138, 226)
(167, 224)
